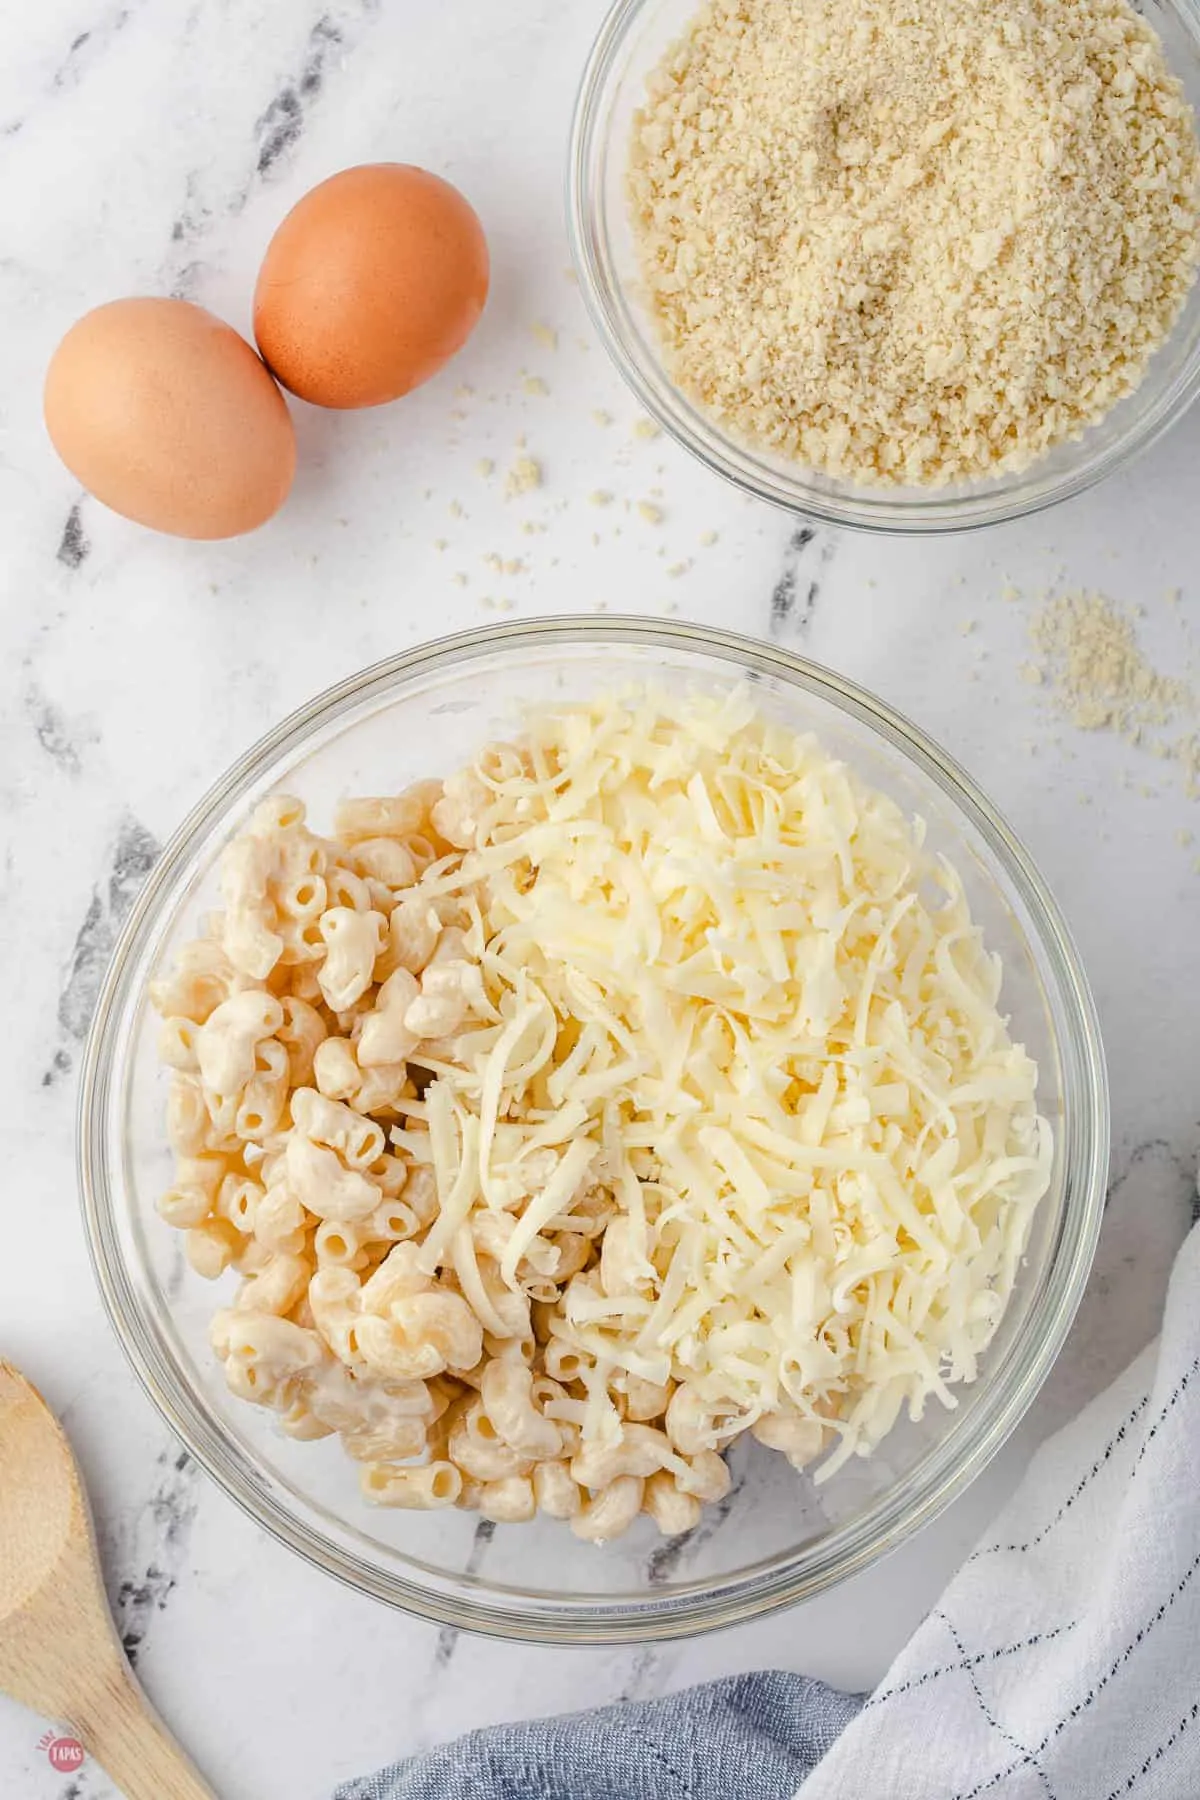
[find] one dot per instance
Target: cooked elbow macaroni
(448, 1196)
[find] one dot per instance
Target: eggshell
(163, 412)
(372, 282)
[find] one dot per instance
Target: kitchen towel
(1061, 1663)
(748, 1737)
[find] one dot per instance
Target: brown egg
(371, 283)
(168, 416)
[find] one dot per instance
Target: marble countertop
(153, 148)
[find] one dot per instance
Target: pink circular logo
(66, 1754)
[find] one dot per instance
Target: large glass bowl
(778, 1538)
(630, 44)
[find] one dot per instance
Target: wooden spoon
(59, 1651)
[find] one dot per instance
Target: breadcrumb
(911, 244)
(1099, 680)
(524, 475)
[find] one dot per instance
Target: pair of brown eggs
(163, 412)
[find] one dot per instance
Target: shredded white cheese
(743, 1010)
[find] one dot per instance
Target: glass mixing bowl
(778, 1538)
(631, 42)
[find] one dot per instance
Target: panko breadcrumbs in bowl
(905, 269)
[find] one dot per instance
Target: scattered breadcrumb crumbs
(646, 428)
(602, 418)
(456, 510)
(709, 538)
(1099, 680)
(651, 513)
(441, 543)
(523, 477)
(600, 497)
(485, 467)
(1008, 592)
(680, 568)
(532, 528)
(533, 384)
(545, 335)
(501, 565)
(460, 578)
(463, 391)
(967, 626)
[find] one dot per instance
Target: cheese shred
(746, 1011)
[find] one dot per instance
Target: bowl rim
(862, 508)
(621, 1618)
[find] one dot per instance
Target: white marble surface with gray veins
(152, 148)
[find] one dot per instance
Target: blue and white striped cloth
(1062, 1662)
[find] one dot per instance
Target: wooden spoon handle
(130, 1742)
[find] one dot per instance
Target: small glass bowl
(779, 1538)
(630, 44)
